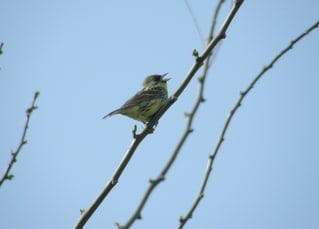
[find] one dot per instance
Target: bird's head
(155, 81)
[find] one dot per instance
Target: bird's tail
(112, 113)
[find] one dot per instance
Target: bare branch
(200, 195)
(23, 141)
(214, 21)
(188, 129)
(149, 127)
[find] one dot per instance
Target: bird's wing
(139, 98)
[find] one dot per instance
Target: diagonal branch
(23, 141)
(188, 130)
(149, 127)
(243, 94)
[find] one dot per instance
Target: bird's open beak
(163, 79)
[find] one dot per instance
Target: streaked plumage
(144, 104)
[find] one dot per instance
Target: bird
(147, 102)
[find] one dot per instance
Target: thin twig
(243, 94)
(188, 129)
(212, 29)
(1, 45)
(189, 8)
(149, 127)
(14, 154)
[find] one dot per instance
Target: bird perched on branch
(147, 102)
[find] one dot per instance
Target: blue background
(87, 57)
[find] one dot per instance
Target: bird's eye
(157, 79)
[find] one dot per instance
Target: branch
(149, 127)
(243, 94)
(188, 130)
(23, 141)
(189, 8)
(1, 45)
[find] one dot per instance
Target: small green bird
(145, 103)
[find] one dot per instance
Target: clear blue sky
(87, 57)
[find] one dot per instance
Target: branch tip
(134, 131)
(181, 219)
(10, 176)
(36, 95)
(1, 45)
(211, 156)
(195, 53)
